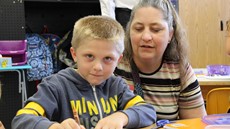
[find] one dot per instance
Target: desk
(195, 123)
(21, 79)
(208, 84)
(217, 120)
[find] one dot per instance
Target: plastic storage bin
(18, 59)
(16, 49)
(217, 127)
(12, 46)
(218, 70)
(217, 119)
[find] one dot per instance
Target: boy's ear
(73, 54)
(121, 56)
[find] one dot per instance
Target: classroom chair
(218, 101)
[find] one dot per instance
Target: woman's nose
(147, 36)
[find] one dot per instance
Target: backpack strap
(136, 79)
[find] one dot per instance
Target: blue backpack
(52, 41)
(38, 57)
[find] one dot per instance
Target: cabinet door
(11, 99)
(202, 20)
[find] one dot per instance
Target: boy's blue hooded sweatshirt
(62, 94)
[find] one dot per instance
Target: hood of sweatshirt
(71, 75)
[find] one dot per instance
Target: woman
(155, 63)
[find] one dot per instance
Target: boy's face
(96, 60)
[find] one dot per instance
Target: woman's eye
(138, 29)
(156, 30)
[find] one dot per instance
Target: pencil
(76, 117)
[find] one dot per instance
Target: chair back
(218, 101)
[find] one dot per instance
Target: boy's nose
(97, 66)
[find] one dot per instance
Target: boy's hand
(67, 124)
(115, 121)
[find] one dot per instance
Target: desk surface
(210, 81)
(195, 123)
(16, 67)
(214, 82)
(217, 120)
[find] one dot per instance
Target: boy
(91, 93)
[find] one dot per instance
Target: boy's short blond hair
(98, 27)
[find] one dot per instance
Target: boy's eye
(108, 59)
(89, 56)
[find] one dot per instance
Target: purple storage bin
(12, 47)
(16, 49)
(218, 70)
(18, 59)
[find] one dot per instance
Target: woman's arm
(192, 113)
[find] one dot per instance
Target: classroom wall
(205, 23)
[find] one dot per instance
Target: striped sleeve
(191, 96)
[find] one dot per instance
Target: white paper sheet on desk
(218, 77)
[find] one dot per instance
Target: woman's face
(149, 34)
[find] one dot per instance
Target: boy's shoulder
(114, 80)
(60, 76)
